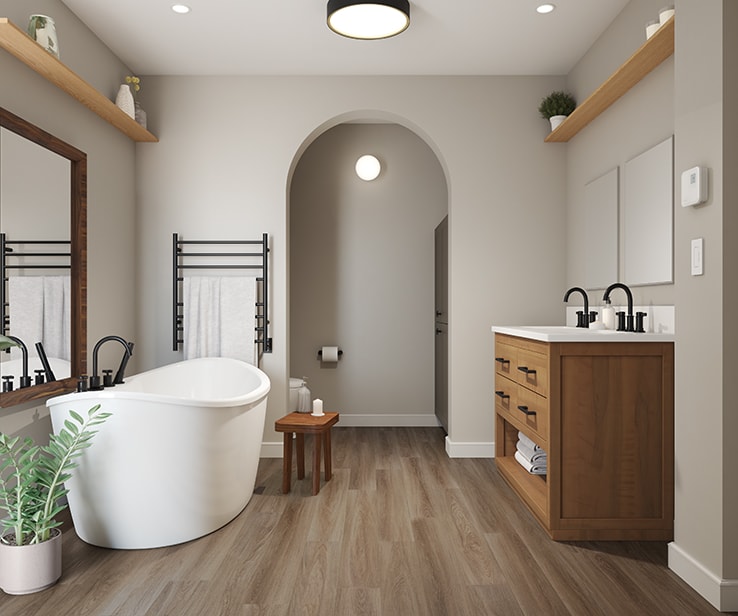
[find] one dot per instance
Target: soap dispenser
(304, 398)
(608, 315)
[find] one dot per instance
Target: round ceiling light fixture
(368, 167)
(373, 20)
(545, 8)
(180, 8)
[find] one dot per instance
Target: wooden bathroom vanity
(601, 404)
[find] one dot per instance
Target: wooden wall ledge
(16, 42)
(646, 58)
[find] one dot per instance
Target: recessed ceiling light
(546, 8)
(180, 8)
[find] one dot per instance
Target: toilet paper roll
(329, 354)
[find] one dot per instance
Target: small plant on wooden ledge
(556, 106)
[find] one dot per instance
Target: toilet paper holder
(320, 353)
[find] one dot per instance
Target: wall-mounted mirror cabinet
(43, 227)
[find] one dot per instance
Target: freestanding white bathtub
(176, 460)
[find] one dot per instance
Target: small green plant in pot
(31, 485)
(556, 106)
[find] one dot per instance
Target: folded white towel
(534, 468)
(531, 454)
(528, 442)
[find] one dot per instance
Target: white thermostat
(694, 186)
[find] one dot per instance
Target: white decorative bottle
(124, 100)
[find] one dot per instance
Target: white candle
(317, 406)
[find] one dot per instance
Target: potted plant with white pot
(556, 106)
(31, 485)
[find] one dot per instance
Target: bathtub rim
(250, 397)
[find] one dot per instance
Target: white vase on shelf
(42, 29)
(124, 100)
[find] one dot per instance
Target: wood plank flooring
(401, 529)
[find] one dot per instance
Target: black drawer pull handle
(502, 360)
(525, 410)
(502, 394)
(526, 370)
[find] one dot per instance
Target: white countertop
(561, 333)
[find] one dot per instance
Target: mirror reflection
(34, 223)
(42, 248)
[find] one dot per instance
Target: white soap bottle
(608, 315)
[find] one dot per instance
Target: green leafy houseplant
(557, 103)
(32, 477)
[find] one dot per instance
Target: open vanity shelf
(16, 42)
(646, 58)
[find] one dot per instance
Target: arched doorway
(361, 262)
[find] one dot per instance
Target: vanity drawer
(531, 410)
(506, 358)
(531, 371)
(506, 393)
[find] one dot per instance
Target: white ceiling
(290, 37)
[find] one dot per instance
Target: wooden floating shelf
(16, 42)
(646, 58)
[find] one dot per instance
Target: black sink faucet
(25, 380)
(629, 326)
(583, 317)
(95, 378)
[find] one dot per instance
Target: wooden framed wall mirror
(43, 222)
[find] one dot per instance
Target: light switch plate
(697, 256)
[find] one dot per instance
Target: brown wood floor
(400, 529)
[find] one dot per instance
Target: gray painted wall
(224, 165)
(361, 271)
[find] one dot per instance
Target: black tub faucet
(95, 378)
(583, 316)
(629, 325)
(25, 380)
(50, 378)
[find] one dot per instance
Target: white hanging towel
(57, 317)
(238, 318)
(201, 312)
(219, 317)
(26, 310)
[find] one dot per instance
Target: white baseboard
(271, 449)
(469, 450)
(722, 594)
(415, 420)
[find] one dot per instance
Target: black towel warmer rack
(12, 250)
(199, 260)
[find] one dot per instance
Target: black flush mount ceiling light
(377, 19)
